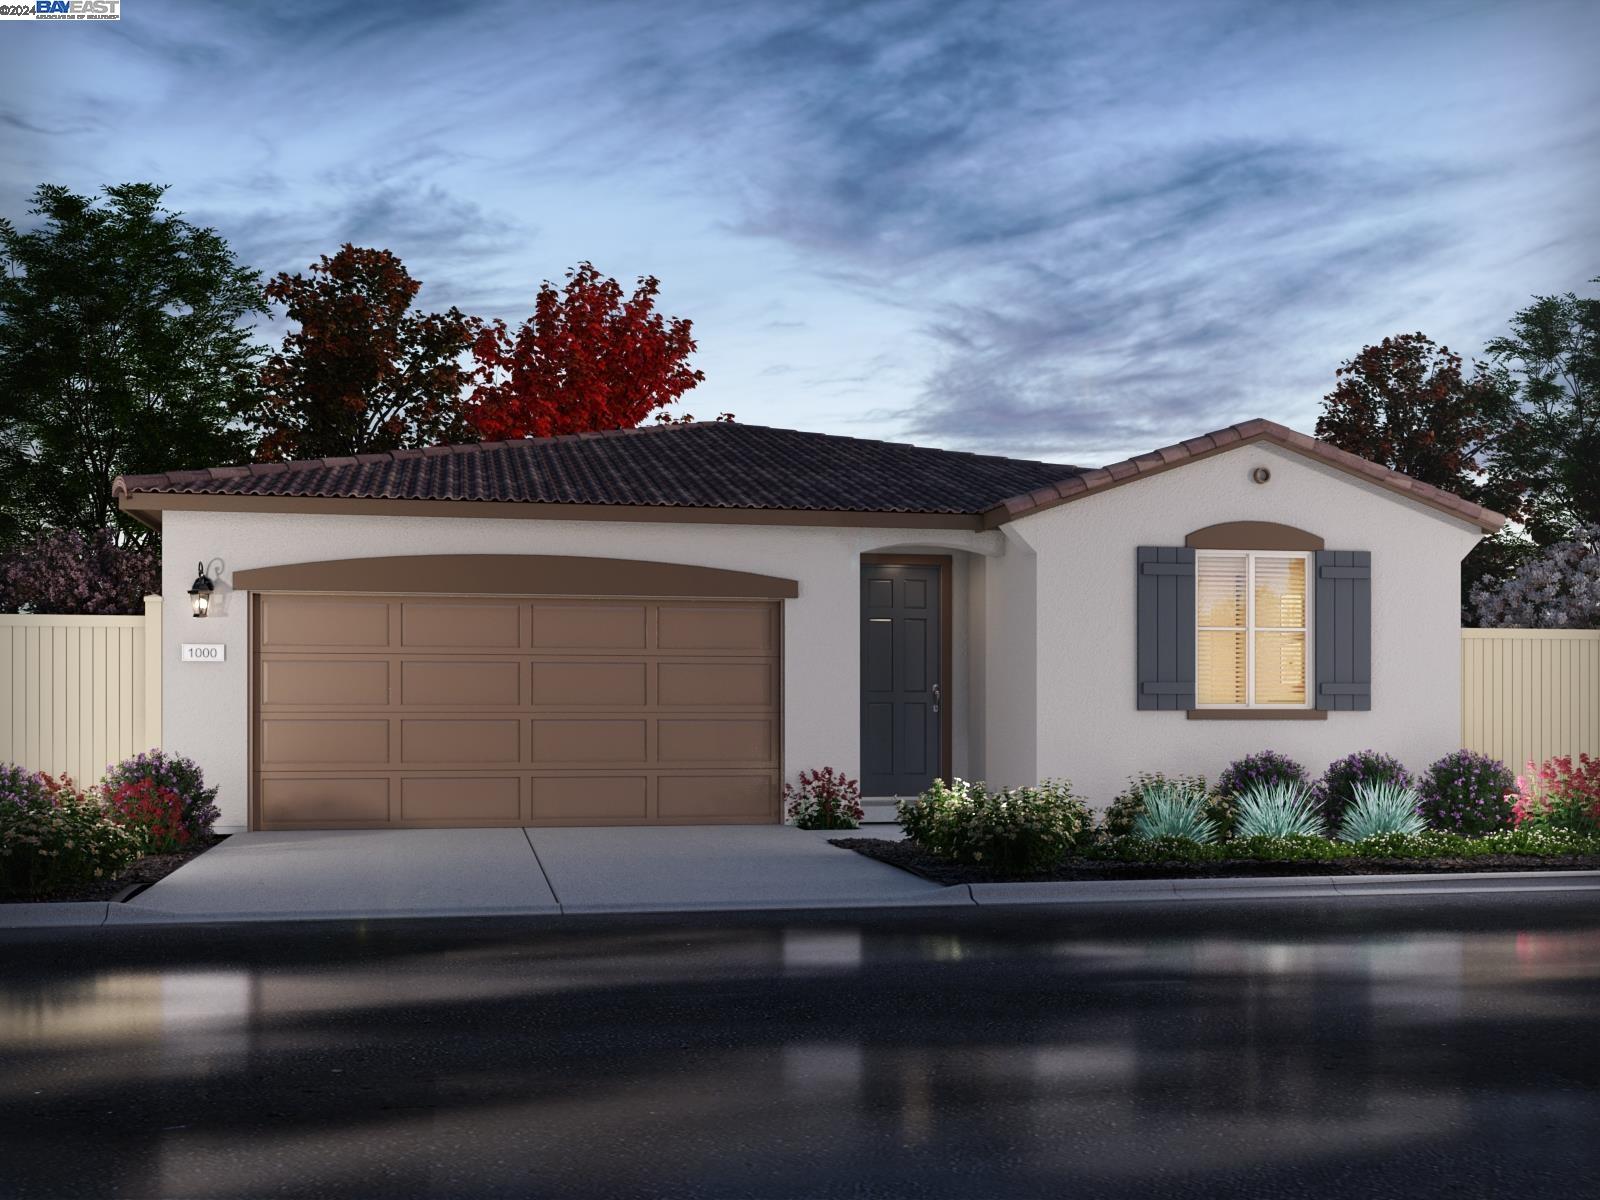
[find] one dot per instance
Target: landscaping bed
(152, 868)
(908, 856)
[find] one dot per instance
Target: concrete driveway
(464, 872)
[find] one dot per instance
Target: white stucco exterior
(1088, 726)
(1043, 620)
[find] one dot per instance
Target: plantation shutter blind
(1344, 630)
(1166, 629)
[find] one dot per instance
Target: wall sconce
(200, 592)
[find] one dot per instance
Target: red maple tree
(588, 358)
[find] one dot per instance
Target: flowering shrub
(1268, 767)
(1336, 790)
(1559, 795)
(154, 813)
(176, 773)
(1015, 830)
(1467, 793)
(1560, 589)
(1118, 818)
(60, 845)
(825, 799)
(22, 788)
(62, 571)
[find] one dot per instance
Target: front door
(902, 634)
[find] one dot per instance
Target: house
(661, 625)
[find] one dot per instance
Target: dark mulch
(908, 856)
(150, 869)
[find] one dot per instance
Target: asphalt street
(1411, 1047)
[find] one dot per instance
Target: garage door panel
(378, 712)
(598, 740)
(329, 682)
(731, 628)
(595, 684)
(716, 797)
(433, 683)
(726, 740)
(485, 742)
(435, 625)
(591, 797)
(716, 685)
(294, 743)
(596, 627)
(289, 621)
(461, 799)
(321, 801)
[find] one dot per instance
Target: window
(1252, 629)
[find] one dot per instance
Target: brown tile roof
(708, 465)
(729, 465)
(1091, 482)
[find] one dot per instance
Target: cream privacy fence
(79, 692)
(1530, 693)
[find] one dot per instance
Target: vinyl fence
(77, 693)
(1530, 693)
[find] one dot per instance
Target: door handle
(936, 697)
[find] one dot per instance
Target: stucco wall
(206, 706)
(1088, 726)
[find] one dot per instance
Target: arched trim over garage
(514, 575)
(1252, 535)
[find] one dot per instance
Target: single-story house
(662, 625)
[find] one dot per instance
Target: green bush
(1014, 830)
(1171, 811)
(1380, 809)
(1117, 819)
(60, 846)
(1544, 843)
(1277, 809)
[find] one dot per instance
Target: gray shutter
(1166, 627)
(1344, 630)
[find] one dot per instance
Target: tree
(1550, 361)
(1407, 404)
(122, 350)
(362, 372)
(64, 571)
(1560, 589)
(587, 359)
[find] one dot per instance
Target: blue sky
(1060, 230)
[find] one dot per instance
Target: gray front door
(901, 637)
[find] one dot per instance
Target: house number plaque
(204, 652)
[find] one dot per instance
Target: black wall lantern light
(200, 592)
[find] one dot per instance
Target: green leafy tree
(361, 372)
(124, 348)
(1550, 361)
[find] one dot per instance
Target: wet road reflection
(1382, 1049)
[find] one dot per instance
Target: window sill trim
(1257, 714)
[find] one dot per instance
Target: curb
(99, 913)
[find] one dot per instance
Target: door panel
(902, 672)
(375, 711)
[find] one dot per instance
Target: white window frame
(1251, 629)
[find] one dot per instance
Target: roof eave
(1102, 479)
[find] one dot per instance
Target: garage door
(387, 711)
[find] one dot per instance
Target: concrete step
(879, 810)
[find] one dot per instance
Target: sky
(1069, 231)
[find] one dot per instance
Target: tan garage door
(381, 711)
